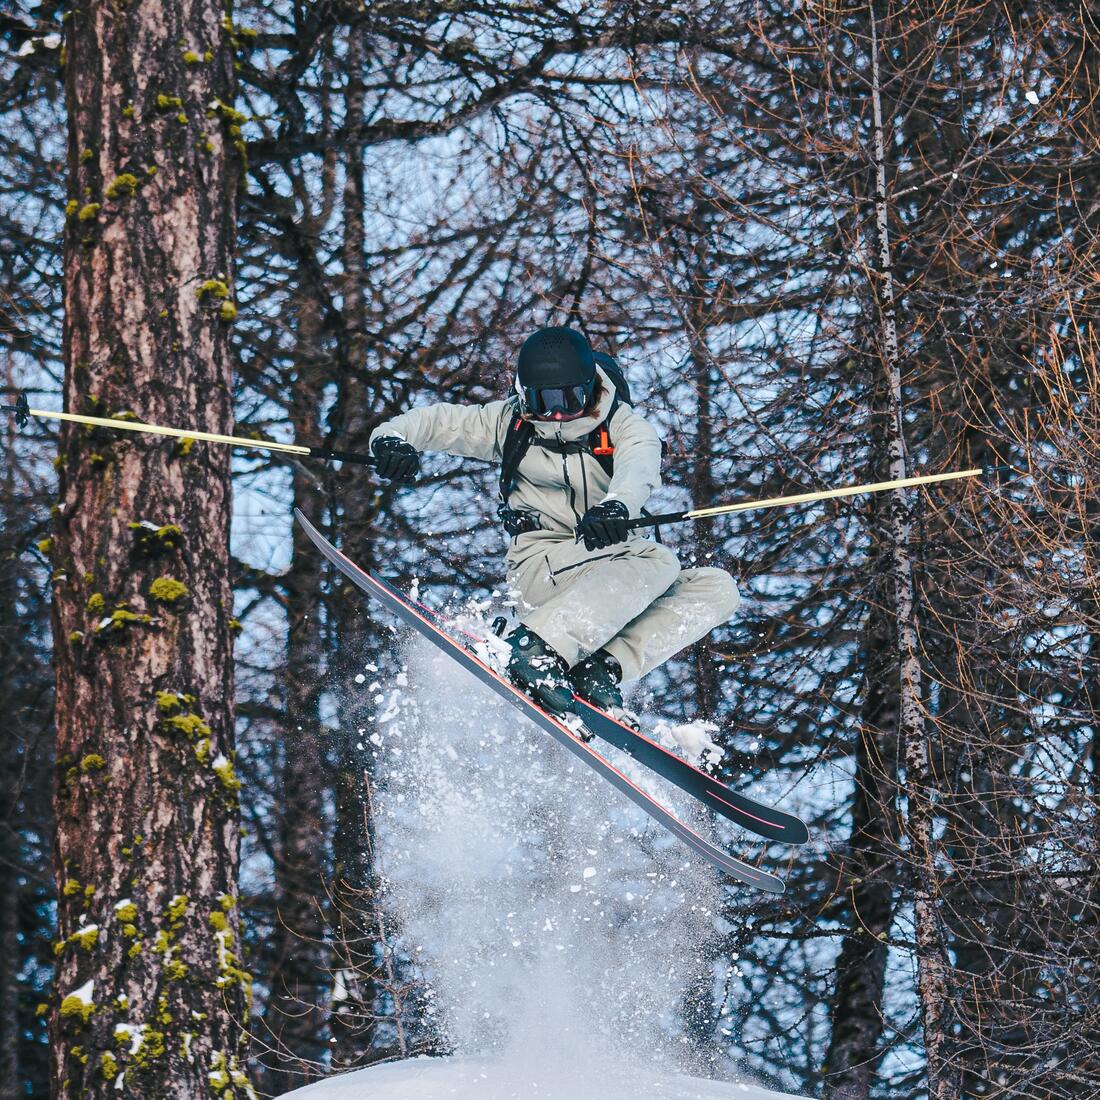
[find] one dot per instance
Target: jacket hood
(568, 431)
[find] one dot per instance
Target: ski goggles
(558, 402)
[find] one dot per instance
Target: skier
(600, 605)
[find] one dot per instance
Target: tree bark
(856, 1011)
(932, 964)
(297, 1010)
(151, 992)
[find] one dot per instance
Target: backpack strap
(599, 442)
(517, 442)
(604, 453)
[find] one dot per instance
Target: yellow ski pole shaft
(22, 411)
(808, 498)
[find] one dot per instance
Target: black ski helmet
(556, 374)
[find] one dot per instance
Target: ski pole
(806, 498)
(23, 412)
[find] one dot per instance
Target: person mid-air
(599, 604)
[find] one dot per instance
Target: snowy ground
(474, 1079)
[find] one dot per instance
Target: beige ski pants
(632, 599)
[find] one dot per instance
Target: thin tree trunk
(297, 1009)
(932, 966)
(146, 796)
(26, 772)
(354, 893)
(697, 1007)
(11, 957)
(703, 490)
(856, 1011)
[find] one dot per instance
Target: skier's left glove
(604, 525)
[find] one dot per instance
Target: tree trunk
(151, 994)
(11, 956)
(932, 964)
(26, 775)
(355, 916)
(297, 1009)
(856, 1012)
(697, 1006)
(703, 489)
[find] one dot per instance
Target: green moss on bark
(167, 590)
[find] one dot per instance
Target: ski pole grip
(354, 457)
(655, 521)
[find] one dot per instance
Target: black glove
(604, 525)
(396, 459)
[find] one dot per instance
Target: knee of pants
(666, 563)
(719, 590)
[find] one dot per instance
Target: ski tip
(761, 880)
(797, 834)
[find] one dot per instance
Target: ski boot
(540, 671)
(596, 680)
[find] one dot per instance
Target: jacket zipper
(569, 484)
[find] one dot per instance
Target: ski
(757, 817)
(423, 622)
(764, 820)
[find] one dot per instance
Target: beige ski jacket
(557, 488)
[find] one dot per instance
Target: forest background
(830, 242)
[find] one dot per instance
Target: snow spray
(557, 929)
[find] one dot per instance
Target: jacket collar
(568, 431)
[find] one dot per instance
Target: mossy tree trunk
(150, 985)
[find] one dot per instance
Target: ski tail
(764, 820)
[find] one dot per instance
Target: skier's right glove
(395, 460)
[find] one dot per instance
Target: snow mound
(476, 1079)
